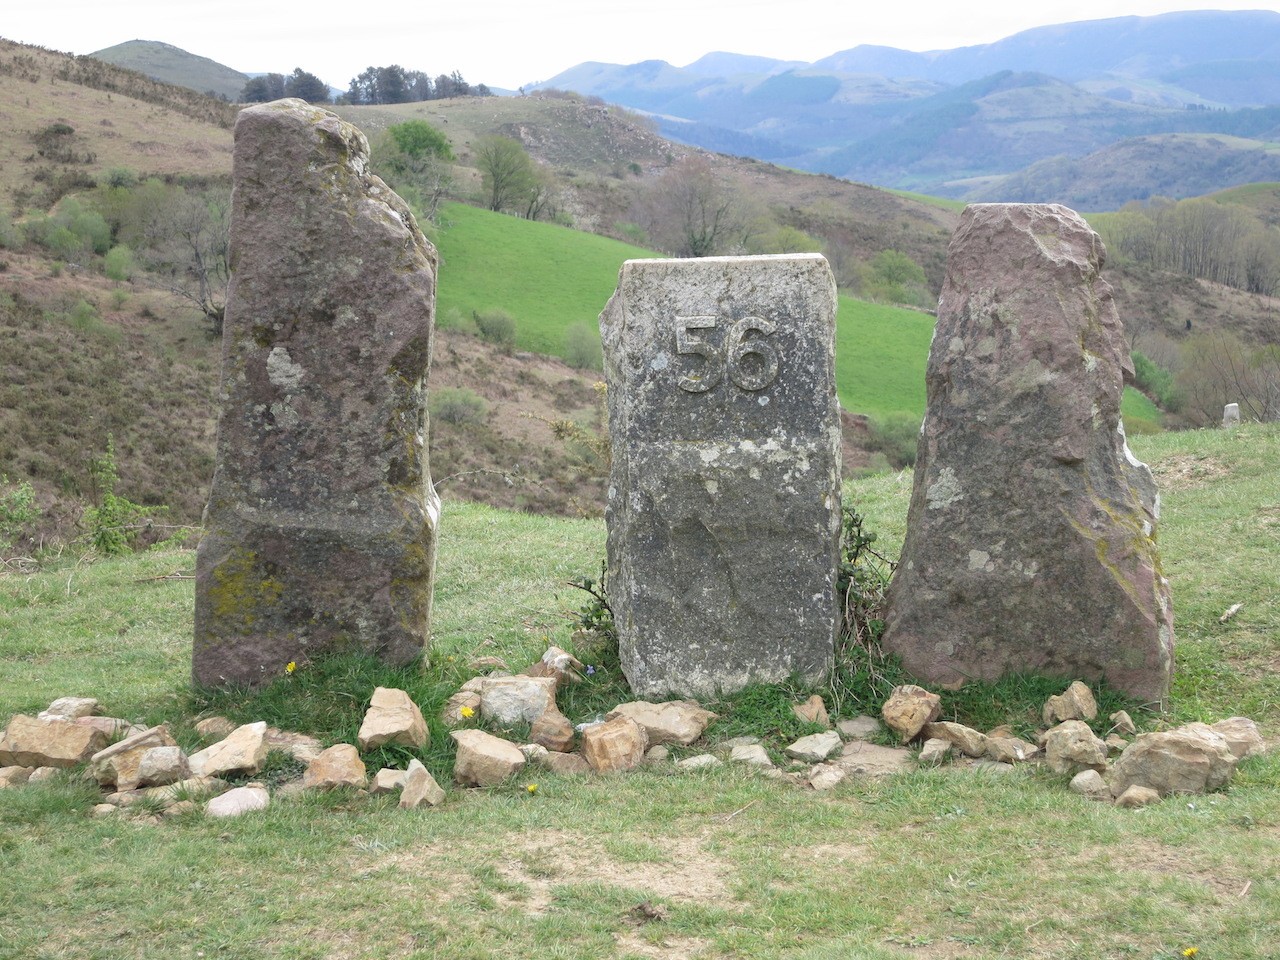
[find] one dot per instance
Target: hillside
(170, 64)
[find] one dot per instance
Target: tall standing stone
(321, 523)
(724, 492)
(1030, 540)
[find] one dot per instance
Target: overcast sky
(507, 43)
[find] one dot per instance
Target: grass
(932, 864)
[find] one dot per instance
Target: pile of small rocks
(148, 774)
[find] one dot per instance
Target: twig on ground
(175, 575)
(740, 810)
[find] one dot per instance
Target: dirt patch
(1187, 471)
(667, 948)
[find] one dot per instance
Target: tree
(417, 139)
(1219, 369)
(263, 89)
(306, 86)
(690, 212)
(416, 158)
(507, 174)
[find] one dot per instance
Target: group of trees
(276, 86)
(395, 84)
(1223, 242)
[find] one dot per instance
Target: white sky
(507, 43)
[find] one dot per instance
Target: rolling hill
(170, 64)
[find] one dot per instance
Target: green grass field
(935, 864)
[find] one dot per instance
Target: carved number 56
(754, 374)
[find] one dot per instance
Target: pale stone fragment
(1071, 745)
(1010, 750)
(338, 766)
(723, 509)
(615, 745)
(815, 748)
(564, 764)
(751, 753)
(420, 787)
(321, 522)
(1190, 759)
(392, 718)
(1031, 534)
(110, 727)
(121, 763)
(32, 742)
(237, 802)
(100, 810)
(553, 731)
(43, 774)
(908, 709)
(703, 761)
(511, 700)
(826, 776)
(1089, 783)
(1075, 703)
(300, 746)
(934, 751)
(965, 739)
(70, 708)
(533, 752)
(677, 721)
(1137, 796)
(460, 708)
(813, 710)
(484, 760)
(387, 780)
(161, 766)
(1242, 736)
(872, 760)
(243, 751)
(859, 728)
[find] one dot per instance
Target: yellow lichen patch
(239, 588)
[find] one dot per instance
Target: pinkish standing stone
(321, 524)
(1031, 535)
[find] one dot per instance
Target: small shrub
(895, 435)
(455, 319)
(18, 510)
(119, 298)
(118, 264)
(457, 405)
(582, 347)
(497, 327)
(115, 525)
(1156, 382)
(83, 316)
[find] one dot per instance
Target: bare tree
(690, 212)
(506, 171)
(189, 245)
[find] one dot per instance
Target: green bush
(1156, 382)
(582, 347)
(115, 524)
(455, 319)
(118, 264)
(895, 435)
(457, 405)
(497, 327)
(18, 511)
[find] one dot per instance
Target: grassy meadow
(941, 863)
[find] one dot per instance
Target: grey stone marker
(724, 491)
(321, 523)
(1030, 540)
(1231, 415)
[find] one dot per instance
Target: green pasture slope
(550, 277)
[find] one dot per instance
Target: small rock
(455, 707)
(202, 787)
(934, 751)
(101, 810)
(703, 761)
(564, 764)
(301, 747)
(237, 802)
(180, 808)
(1089, 783)
(339, 766)
(43, 774)
(485, 664)
(825, 776)
(121, 763)
(392, 718)
(387, 780)
(1075, 703)
(1121, 722)
(965, 739)
(1137, 796)
(1071, 745)
(859, 728)
(161, 766)
(873, 760)
(1190, 759)
(533, 751)
(111, 727)
(1002, 732)
(243, 751)
(70, 708)
(558, 664)
(14, 776)
(473, 685)
(657, 754)
(484, 760)
(420, 787)
(215, 727)
(553, 731)
(815, 748)
(751, 753)
(1010, 750)
(1115, 744)
(909, 708)
(125, 798)
(994, 767)
(727, 746)
(511, 700)
(813, 710)
(615, 745)
(1242, 736)
(32, 742)
(677, 721)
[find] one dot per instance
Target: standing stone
(1231, 415)
(1030, 540)
(321, 524)
(724, 491)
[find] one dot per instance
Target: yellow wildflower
(290, 667)
(466, 713)
(532, 788)
(1190, 951)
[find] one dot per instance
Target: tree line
(374, 85)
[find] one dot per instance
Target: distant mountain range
(970, 123)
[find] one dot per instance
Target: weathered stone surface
(813, 710)
(676, 721)
(300, 746)
(724, 492)
(658, 754)
(858, 728)
(1231, 415)
(1030, 540)
(243, 751)
(1089, 783)
(909, 708)
(560, 664)
(1122, 723)
(215, 727)
(934, 751)
(1075, 703)
(825, 776)
(533, 752)
(1115, 744)
(511, 700)
(1242, 736)
(461, 707)
(15, 776)
(965, 739)
(111, 727)
(617, 744)
(339, 766)
(186, 789)
(703, 761)
(32, 742)
(235, 803)
(121, 763)
(1071, 745)
(564, 764)
(100, 810)
(70, 708)
(1136, 796)
(320, 529)
(161, 766)
(1010, 750)
(814, 748)
(43, 774)
(420, 787)
(1190, 759)
(873, 760)
(387, 780)
(392, 717)
(553, 731)
(751, 753)
(484, 760)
